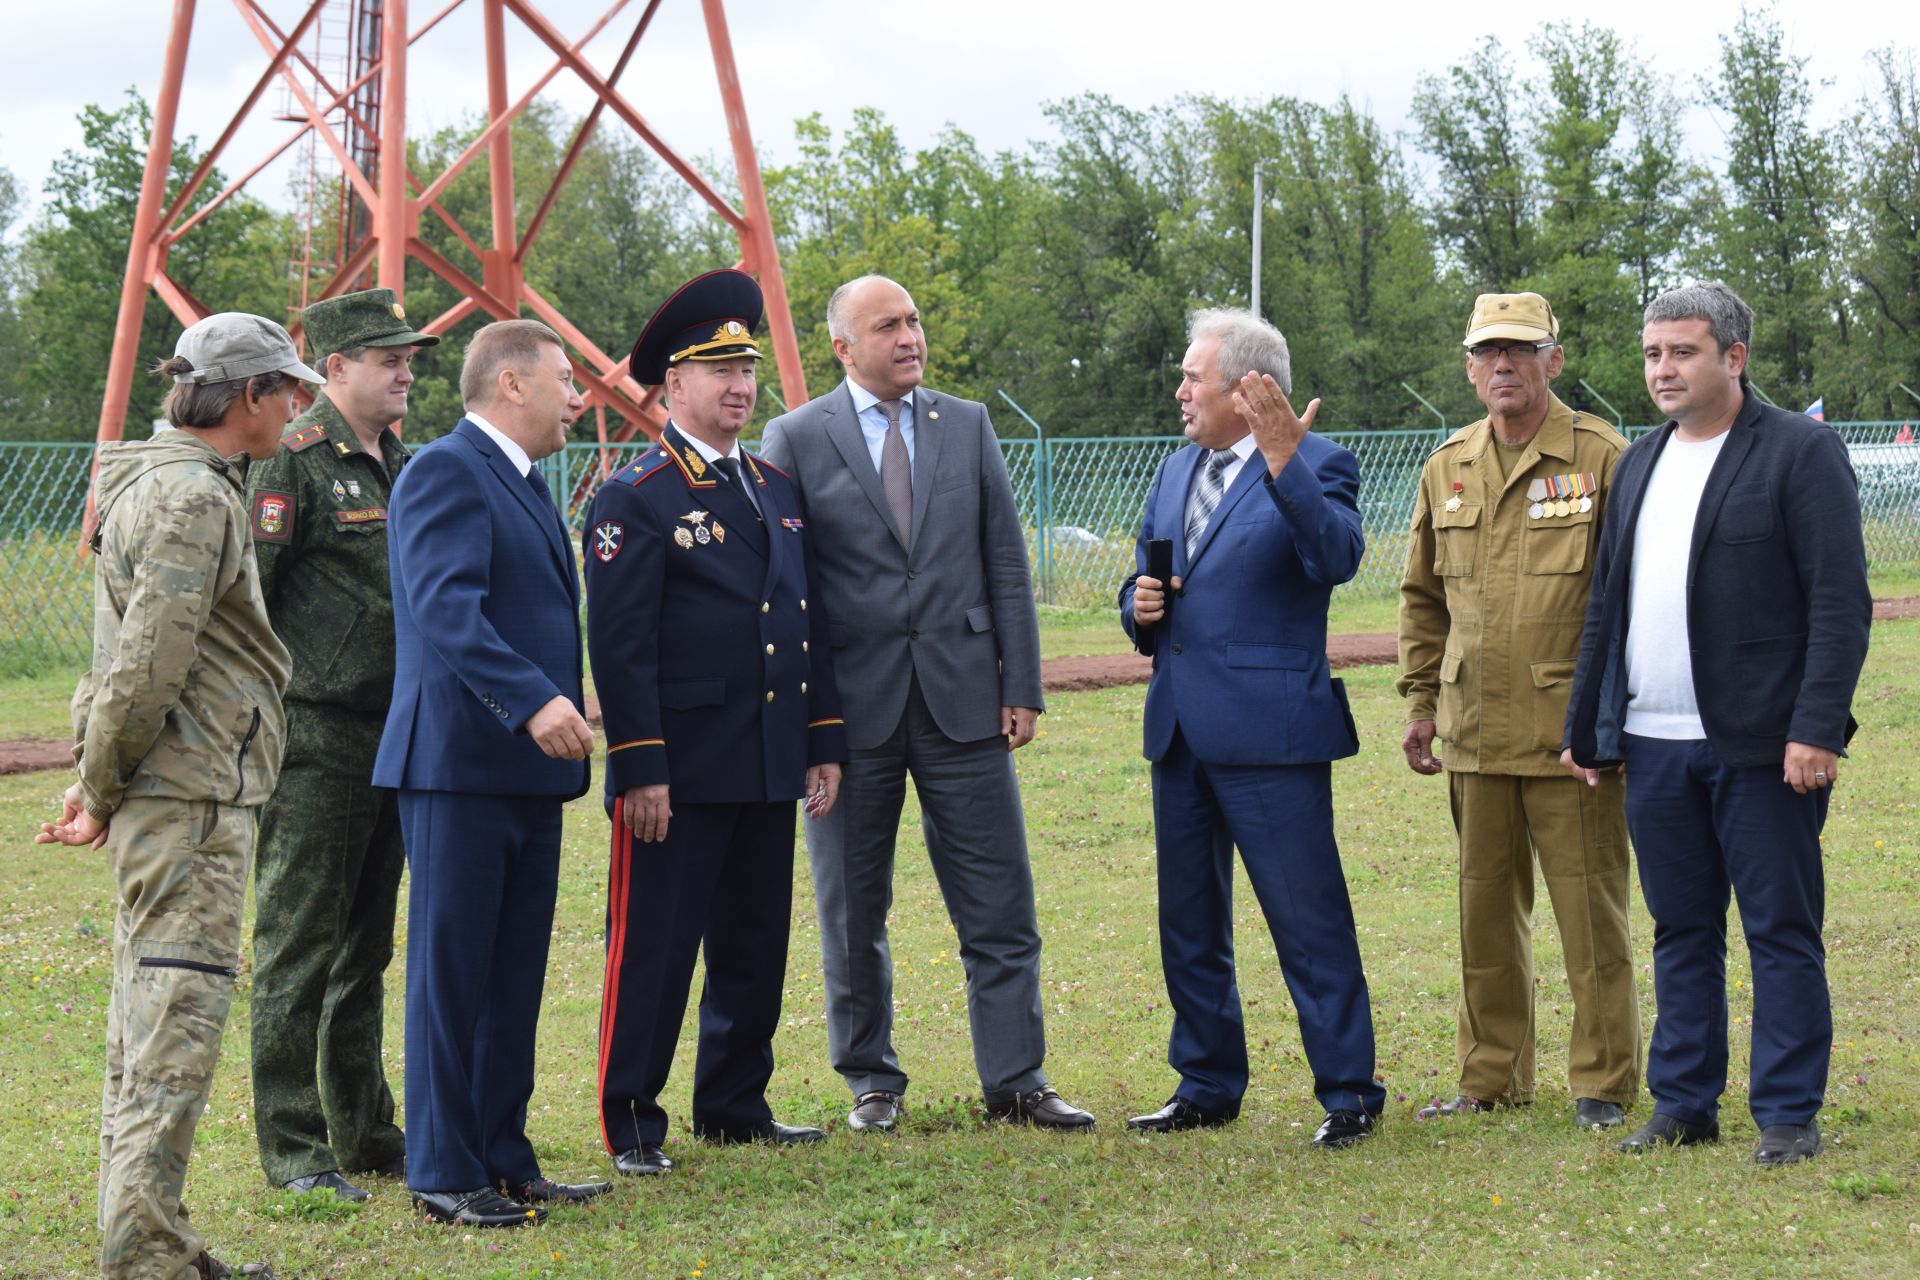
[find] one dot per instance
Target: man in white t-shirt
(1720, 678)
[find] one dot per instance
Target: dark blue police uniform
(713, 671)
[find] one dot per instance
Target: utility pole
(1259, 203)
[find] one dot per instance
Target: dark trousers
(1281, 817)
(721, 884)
(1704, 831)
(327, 884)
(977, 842)
(486, 869)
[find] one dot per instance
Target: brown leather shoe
(877, 1110)
(1043, 1108)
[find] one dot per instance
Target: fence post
(1430, 409)
(1042, 505)
(1619, 423)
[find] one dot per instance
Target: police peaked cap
(710, 317)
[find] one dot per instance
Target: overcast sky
(988, 66)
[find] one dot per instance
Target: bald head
(876, 335)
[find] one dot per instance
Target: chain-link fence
(1081, 500)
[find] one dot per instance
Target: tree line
(1061, 274)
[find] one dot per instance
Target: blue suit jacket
(710, 647)
(486, 621)
(1778, 607)
(1240, 660)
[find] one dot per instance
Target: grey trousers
(976, 838)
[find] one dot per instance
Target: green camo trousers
(181, 870)
(328, 881)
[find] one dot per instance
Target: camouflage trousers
(181, 871)
(327, 884)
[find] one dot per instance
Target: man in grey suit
(922, 567)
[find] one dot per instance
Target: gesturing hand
(1270, 416)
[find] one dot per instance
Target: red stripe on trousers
(619, 878)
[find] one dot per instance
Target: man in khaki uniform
(1491, 610)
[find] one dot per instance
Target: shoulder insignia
(647, 465)
(305, 438)
(272, 515)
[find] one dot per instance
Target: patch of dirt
(1060, 675)
(33, 755)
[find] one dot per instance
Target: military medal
(1536, 493)
(1453, 503)
(701, 535)
(339, 492)
(684, 537)
(1587, 486)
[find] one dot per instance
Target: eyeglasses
(1489, 352)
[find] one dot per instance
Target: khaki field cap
(233, 345)
(1520, 317)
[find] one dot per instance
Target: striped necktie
(1206, 496)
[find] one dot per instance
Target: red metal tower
(355, 106)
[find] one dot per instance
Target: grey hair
(837, 304)
(1248, 344)
(1727, 316)
(504, 344)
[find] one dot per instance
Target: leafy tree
(1473, 123)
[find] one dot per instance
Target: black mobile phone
(1160, 560)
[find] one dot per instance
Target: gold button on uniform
(803, 646)
(803, 686)
(765, 607)
(769, 695)
(803, 605)
(769, 651)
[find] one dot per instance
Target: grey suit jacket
(958, 610)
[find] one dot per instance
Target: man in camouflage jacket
(330, 849)
(177, 741)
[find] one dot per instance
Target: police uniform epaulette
(305, 438)
(648, 464)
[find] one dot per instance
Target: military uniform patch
(361, 517)
(608, 536)
(305, 438)
(272, 515)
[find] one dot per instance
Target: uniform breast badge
(339, 492)
(1537, 495)
(1453, 503)
(683, 536)
(719, 534)
(701, 534)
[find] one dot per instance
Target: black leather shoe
(1788, 1144)
(647, 1160)
(1591, 1113)
(1180, 1114)
(785, 1135)
(547, 1191)
(1343, 1129)
(329, 1181)
(483, 1208)
(208, 1267)
(1042, 1108)
(877, 1110)
(1667, 1131)
(1464, 1105)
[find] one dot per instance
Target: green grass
(1518, 1194)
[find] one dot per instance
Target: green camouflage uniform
(177, 740)
(330, 850)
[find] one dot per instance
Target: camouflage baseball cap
(370, 318)
(231, 345)
(1514, 316)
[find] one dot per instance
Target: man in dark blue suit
(1243, 720)
(485, 742)
(716, 680)
(1724, 637)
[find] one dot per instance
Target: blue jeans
(1705, 831)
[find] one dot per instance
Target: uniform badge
(399, 312)
(1453, 503)
(683, 536)
(700, 534)
(719, 534)
(339, 492)
(695, 463)
(353, 488)
(1537, 494)
(792, 524)
(272, 513)
(607, 537)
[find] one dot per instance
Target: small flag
(1818, 410)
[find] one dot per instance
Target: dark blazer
(486, 619)
(958, 612)
(1777, 602)
(1240, 660)
(711, 661)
